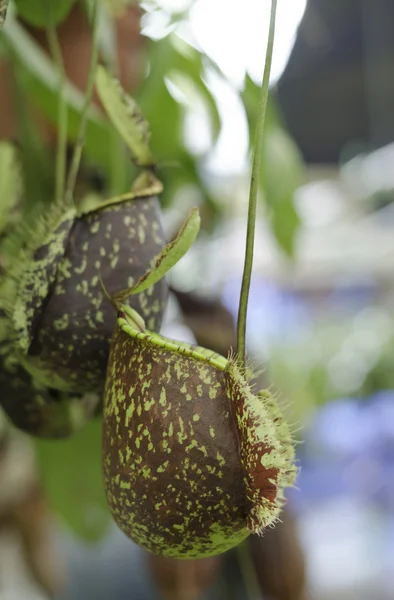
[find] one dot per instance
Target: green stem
(118, 173)
(254, 188)
(61, 154)
(248, 571)
(76, 159)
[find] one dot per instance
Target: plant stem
(61, 154)
(254, 188)
(248, 571)
(118, 175)
(76, 159)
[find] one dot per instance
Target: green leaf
(168, 257)
(250, 96)
(163, 112)
(42, 13)
(190, 63)
(3, 11)
(167, 132)
(37, 161)
(281, 175)
(41, 87)
(126, 117)
(71, 475)
(10, 182)
(285, 223)
(281, 171)
(178, 167)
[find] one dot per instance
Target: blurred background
(321, 318)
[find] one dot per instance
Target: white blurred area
(234, 35)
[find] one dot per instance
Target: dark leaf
(42, 13)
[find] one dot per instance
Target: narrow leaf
(41, 87)
(168, 257)
(126, 117)
(281, 175)
(10, 182)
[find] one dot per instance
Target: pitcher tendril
(76, 159)
(254, 188)
(61, 154)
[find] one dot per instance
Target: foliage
(120, 107)
(72, 480)
(350, 357)
(281, 172)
